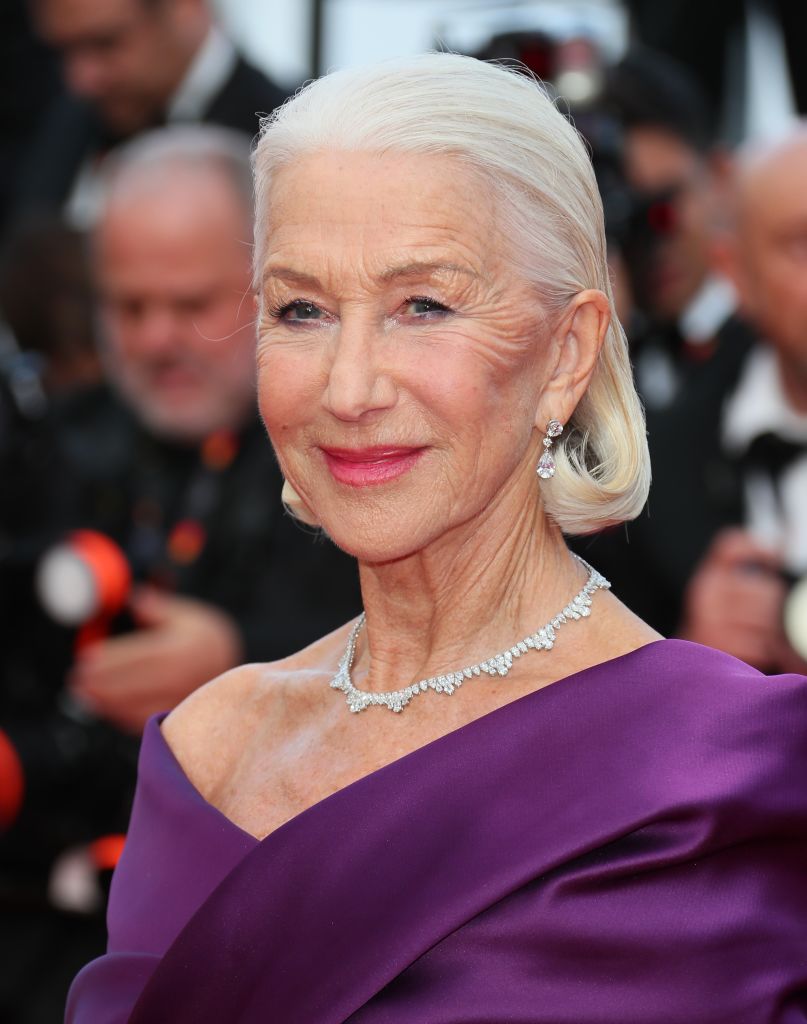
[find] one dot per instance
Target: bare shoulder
(224, 714)
(204, 720)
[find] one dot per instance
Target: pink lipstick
(361, 467)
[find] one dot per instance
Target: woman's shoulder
(224, 713)
(717, 690)
(696, 687)
(723, 732)
(706, 671)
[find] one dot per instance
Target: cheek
(472, 391)
(124, 352)
(455, 388)
(232, 361)
(289, 388)
(777, 289)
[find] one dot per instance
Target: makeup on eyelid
(307, 307)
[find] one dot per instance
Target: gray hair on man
(186, 149)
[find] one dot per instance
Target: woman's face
(401, 356)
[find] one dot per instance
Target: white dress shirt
(709, 309)
(758, 406)
(658, 373)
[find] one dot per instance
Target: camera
(795, 617)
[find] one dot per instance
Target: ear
(730, 258)
(579, 336)
(296, 506)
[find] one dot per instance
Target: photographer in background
(734, 598)
(677, 180)
(172, 465)
(725, 533)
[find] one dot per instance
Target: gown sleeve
(178, 849)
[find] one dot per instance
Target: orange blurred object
(186, 541)
(219, 449)
(106, 851)
(109, 567)
(86, 578)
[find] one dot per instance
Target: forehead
(656, 158)
(73, 19)
(368, 208)
(196, 222)
(773, 195)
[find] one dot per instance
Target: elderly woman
(497, 795)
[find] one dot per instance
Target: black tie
(772, 455)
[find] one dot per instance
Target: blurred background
(143, 547)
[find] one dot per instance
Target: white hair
(501, 124)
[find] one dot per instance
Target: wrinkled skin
(369, 365)
(456, 556)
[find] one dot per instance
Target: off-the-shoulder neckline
(153, 733)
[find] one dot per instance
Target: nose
(357, 383)
(157, 332)
(85, 74)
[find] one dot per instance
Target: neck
(793, 377)
(474, 591)
(188, 46)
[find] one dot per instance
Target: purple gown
(625, 846)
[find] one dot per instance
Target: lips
(363, 467)
(175, 377)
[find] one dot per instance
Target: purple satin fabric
(625, 846)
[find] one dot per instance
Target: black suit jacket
(284, 584)
(696, 491)
(72, 133)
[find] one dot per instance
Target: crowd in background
(143, 545)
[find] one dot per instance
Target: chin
(373, 551)
(181, 416)
(168, 426)
(123, 118)
(381, 535)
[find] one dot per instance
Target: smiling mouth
(363, 467)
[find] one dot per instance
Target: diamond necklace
(499, 665)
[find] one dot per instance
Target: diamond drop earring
(546, 464)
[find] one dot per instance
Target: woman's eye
(297, 310)
(422, 306)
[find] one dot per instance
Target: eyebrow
(425, 269)
(405, 271)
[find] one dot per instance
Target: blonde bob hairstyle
(501, 124)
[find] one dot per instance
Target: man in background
(173, 465)
(130, 65)
(735, 596)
